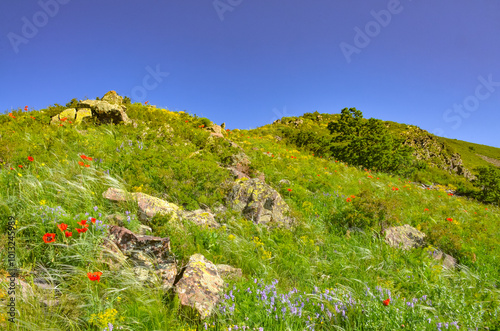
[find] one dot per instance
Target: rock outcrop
(200, 285)
(150, 206)
(259, 203)
(107, 110)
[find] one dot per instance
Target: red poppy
(92, 220)
(49, 238)
(26, 108)
(386, 302)
(370, 177)
(353, 196)
(186, 121)
(33, 117)
(449, 219)
(450, 193)
(89, 158)
(63, 119)
(94, 275)
(82, 223)
(348, 199)
(10, 114)
(87, 165)
(146, 102)
(68, 234)
(60, 125)
(289, 190)
(63, 227)
(81, 163)
(20, 166)
(82, 230)
(426, 209)
(30, 159)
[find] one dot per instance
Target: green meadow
(332, 271)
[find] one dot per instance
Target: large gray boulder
(259, 203)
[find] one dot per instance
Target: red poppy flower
(370, 177)
(386, 302)
(92, 220)
(89, 158)
(450, 193)
(20, 166)
(82, 223)
(289, 190)
(60, 125)
(348, 199)
(82, 230)
(87, 165)
(63, 119)
(449, 219)
(68, 234)
(63, 227)
(186, 121)
(83, 156)
(10, 114)
(426, 209)
(81, 163)
(26, 108)
(93, 276)
(33, 117)
(353, 196)
(49, 238)
(30, 159)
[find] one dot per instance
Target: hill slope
(333, 267)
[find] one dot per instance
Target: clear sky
(434, 64)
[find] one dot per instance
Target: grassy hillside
(333, 271)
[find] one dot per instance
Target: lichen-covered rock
(66, 115)
(200, 217)
(82, 113)
(106, 112)
(259, 202)
(113, 98)
(405, 237)
(227, 271)
(149, 206)
(167, 272)
(200, 286)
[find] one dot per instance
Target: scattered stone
(405, 237)
(149, 206)
(448, 261)
(200, 286)
(258, 202)
(145, 230)
(200, 217)
(140, 247)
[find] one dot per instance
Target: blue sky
(247, 63)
